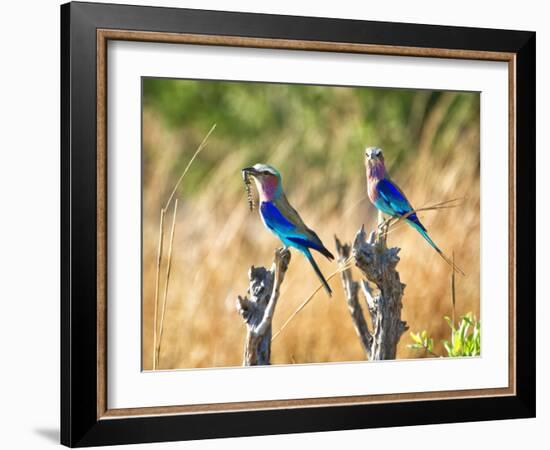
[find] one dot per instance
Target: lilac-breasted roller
(386, 196)
(282, 219)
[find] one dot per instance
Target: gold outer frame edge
(103, 36)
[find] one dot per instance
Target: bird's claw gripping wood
(258, 307)
(382, 230)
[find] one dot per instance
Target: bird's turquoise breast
(274, 219)
(382, 205)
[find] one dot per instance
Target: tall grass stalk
(157, 284)
(199, 149)
(453, 291)
(393, 223)
(167, 280)
(345, 266)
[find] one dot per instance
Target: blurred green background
(315, 136)
(321, 121)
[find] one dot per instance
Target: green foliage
(465, 338)
(422, 341)
(463, 342)
(328, 125)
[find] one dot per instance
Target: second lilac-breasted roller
(282, 219)
(386, 196)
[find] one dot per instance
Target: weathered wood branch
(351, 289)
(378, 264)
(258, 307)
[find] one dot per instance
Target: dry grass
(158, 327)
(218, 239)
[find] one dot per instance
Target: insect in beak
(246, 173)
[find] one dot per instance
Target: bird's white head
(374, 153)
(267, 180)
(374, 163)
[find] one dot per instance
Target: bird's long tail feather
(445, 258)
(308, 255)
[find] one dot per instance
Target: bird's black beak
(247, 171)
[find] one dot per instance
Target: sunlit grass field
(316, 137)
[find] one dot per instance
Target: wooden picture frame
(86, 418)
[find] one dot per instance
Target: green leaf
(416, 338)
(468, 318)
(448, 348)
(415, 346)
(465, 339)
(457, 343)
(462, 328)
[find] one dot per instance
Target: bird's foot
(382, 231)
(385, 223)
(282, 253)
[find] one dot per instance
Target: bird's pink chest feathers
(267, 188)
(371, 189)
(375, 173)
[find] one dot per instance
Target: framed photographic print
(277, 224)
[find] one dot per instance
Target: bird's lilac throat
(269, 188)
(375, 172)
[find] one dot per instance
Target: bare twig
(308, 299)
(392, 221)
(167, 280)
(385, 226)
(157, 284)
(353, 206)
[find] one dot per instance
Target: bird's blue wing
(393, 196)
(397, 201)
(287, 231)
(305, 242)
(274, 219)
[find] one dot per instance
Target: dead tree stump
(378, 265)
(257, 308)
